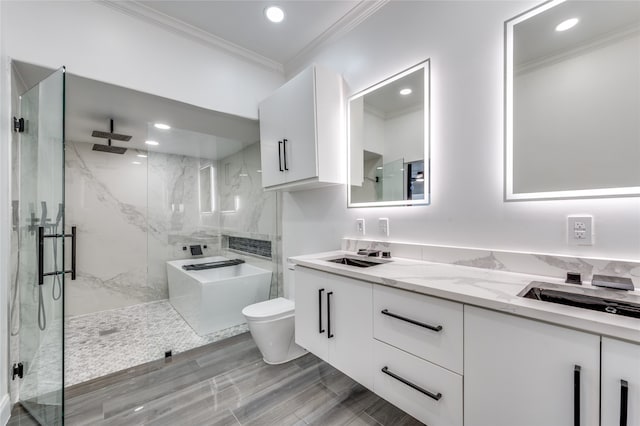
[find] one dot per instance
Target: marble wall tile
(132, 218)
(247, 211)
(529, 263)
(106, 198)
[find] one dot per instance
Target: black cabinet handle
(284, 145)
(329, 334)
(436, 328)
(576, 395)
(280, 156)
(624, 397)
(431, 395)
(320, 329)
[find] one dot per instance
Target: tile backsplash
(551, 265)
(250, 245)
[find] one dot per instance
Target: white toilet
(271, 324)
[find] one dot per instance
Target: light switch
(360, 226)
(383, 224)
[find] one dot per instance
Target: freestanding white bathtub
(212, 299)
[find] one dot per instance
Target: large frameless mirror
(389, 141)
(572, 101)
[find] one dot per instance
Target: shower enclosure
(37, 309)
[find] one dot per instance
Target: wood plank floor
(226, 383)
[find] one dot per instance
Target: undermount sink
(624, 304)
(360, 263)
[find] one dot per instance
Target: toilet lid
(269, 309)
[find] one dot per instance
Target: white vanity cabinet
(333, 321)
(620, 383)
(301, 137)
(418, 354)
(528, 373)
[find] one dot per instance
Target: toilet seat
(269, 310)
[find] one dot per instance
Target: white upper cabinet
(301, 136)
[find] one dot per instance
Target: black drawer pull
(436, 328)
(576, 395)
(624, 397)
(280, 156)
(320, 329)
(431, 395)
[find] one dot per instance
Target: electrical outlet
(383, 224)
(580, 230)
(360, 226)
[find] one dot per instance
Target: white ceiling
(195, 132)
(242, 22)
(388, 101)
(536, 38)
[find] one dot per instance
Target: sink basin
(596, 300)
(351, 261)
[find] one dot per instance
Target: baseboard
(5, 409)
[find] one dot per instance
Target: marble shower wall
(131, 219)
(247, 211)
(175, 221)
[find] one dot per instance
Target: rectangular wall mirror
(572, 101)
(388, 128)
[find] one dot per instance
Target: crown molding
(176, 26)
(357, 15)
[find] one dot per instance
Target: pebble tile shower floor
(105, 342)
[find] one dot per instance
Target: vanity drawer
(427, 327)
(403, 371)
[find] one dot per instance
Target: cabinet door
(311, 310)
(351, 330)
(620, 361)
(522, 372)
(272, 132)
(300, 133)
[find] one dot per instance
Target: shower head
(109, 148)
(110, 135)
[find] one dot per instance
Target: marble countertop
(496, 290)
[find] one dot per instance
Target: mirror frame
(426, 67)
(509, 195)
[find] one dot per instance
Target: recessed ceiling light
(162, 126)
(405, 92)
(568, 24)
(274, 14)
(379, 168)
(142, 156)
(152, 143)
(136, 162)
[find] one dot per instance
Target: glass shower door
(41, 249)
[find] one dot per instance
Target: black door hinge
(18, 370)
(18, 125)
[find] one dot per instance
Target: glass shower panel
(42, 214)
(393, 180)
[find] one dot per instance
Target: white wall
(465, 43)
(403, 137)
(98, 42)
